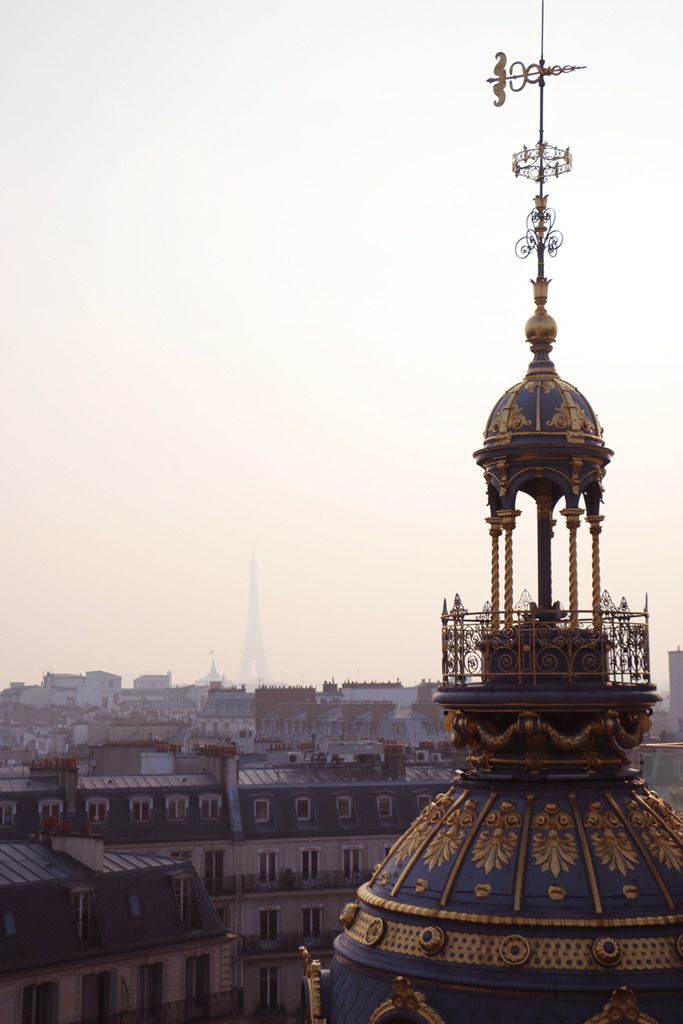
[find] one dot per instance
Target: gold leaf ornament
(553, 844)
(612, 846)
(448, 839)
(496, 843)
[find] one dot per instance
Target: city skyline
(249, 301)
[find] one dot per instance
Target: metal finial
(537, 163)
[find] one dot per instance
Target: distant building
(676, 690)
(152, 682)
(94, 689)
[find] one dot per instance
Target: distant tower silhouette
(253, 667)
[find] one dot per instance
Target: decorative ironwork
(540, 233)
(534, 650)
(518, 75)
(542, 161)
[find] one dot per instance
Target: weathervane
(539, 162)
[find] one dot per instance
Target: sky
(259, 293)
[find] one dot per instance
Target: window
(9, 924)
(344, 806)
(352, 863)
(423, 800)
(268, 924)
(50, 813)
(96, 993)
(311, 922)
(387, 850)
(150, 991)
(176, 808)
(39, 1003)
(181, 854)
(385, 806)
(213, 871)
(83, 903)
(182, 889)
(7, 813)
(269, 988)
(267, 865)
(303, 808)
(197, 983)
(134, 907)
(98, 810)
(140, 808)
(210, 807)
(310, 860)
(262, 811)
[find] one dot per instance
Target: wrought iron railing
(288, 942)
(610, 646)
(220, 886)
(215, 1006)
(295, 880)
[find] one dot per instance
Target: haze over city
(260, 293)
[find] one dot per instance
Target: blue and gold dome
(546, 886)
(544, 408)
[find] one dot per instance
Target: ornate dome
(543, 408)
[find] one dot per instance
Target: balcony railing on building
(288, 942)
(220, 886)
(216, 1006)
(296, 880)
(610, 647)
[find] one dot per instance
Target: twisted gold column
(508, 517)
(596, 528)
(573, 518)
(495, 530)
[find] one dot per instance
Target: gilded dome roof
(543, 406)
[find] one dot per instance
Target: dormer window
(210, 807)
(176, 808)
(262, 811)
(423, 799)
(50, 813)
(182, 890)
(140, 808)
(7, 814)
(134, 905)
(303, 808)
(9, 924)
(385, 806)
(83, 903)
(97, 810)
(344, 807)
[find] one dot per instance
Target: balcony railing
(288, 942)
(610, 646)
(217, 1006)
(283, 880)
(220, 886)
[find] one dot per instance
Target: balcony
(220, 886)
(294, 880)
(225, 1006)
(288, 942)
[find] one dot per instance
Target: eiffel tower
(253, 667)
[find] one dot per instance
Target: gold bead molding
(535, 952)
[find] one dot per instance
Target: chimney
(87, 850)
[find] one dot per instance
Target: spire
(538, 163)
(253, 667)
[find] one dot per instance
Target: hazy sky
(259, 291)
